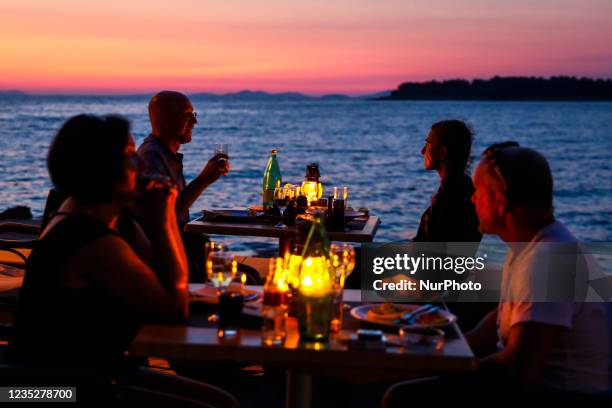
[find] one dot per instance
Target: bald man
(172, 121)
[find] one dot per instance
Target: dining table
(359, 229)
(199, 341)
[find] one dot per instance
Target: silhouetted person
(86, 290)
(451, 216)
(172, 121)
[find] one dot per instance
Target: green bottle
(316, 290)
(272, 178)
(317, 242)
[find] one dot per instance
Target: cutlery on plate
(406, 318)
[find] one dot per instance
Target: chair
(18, 236)
(134, 396)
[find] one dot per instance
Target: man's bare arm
(523, 357)
(216, 167)
(483, 338)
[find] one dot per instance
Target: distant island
(558, 88)
(561, 88)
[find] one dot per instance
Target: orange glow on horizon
(313, 47)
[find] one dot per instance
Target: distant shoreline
(496, 89)
(515, 89)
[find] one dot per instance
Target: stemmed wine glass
(282, 195)
(221, 267)
(343, 262)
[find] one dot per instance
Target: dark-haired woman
(451, 216)
(86, 290)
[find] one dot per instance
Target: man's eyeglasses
(494, 154)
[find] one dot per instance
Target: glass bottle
(275, 304)
(272, 179)
(316, 287)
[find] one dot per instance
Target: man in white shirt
(546, 335)
(543, 336)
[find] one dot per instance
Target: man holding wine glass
(172, 120)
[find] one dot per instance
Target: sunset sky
(313, 46)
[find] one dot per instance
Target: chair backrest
(608, 308)
(134, 396)
(54, 201)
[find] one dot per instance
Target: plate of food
(389, 314)
(210, 295)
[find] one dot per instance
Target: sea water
(371, 146)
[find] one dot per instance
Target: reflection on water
(373, 147)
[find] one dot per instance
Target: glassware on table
(293, 260)
(274, 308)
(282, 195)
(343, 262)
(341, 193)
(221, 268)
(271, 180)
(230, 310)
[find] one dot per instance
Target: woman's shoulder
(68, 236)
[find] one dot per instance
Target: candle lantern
(315, 293)
(311, 186)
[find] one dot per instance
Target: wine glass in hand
(222, 152)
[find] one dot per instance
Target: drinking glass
(343, 262)
(341, 193)
(230, 310)
(281, 199)
(221, 267)
(222, 148)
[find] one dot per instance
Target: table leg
(299, 390)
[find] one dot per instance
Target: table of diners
(361, 229)
(201, 344)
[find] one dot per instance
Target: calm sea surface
(373, 147)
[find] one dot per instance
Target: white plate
(361, 313)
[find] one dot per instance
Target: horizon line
(313, 94)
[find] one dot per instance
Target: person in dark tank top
(86, 290)
(451, 216)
